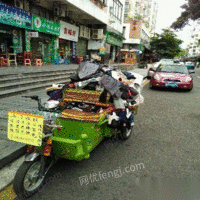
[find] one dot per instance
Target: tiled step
(22, 90)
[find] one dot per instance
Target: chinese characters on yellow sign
(25, 128)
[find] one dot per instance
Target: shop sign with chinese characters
(69, 31)
(110, 39)
(45, 26)
(14, 16)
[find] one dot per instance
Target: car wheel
(151, 86)
(190, 89)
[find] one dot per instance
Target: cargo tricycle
(69, 128)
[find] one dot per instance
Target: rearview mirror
(151, 69)
(148, 77)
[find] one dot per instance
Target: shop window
(116, 10)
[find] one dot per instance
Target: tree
(191, 11)
(166, 44)
(183, 53)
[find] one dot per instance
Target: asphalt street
(160, 160)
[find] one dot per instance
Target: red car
(172, 76)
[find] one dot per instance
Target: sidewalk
(20, 68)
(10, 150)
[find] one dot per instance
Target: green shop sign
(141, 47)
(46, 26)
(14, 16)
(114, 40)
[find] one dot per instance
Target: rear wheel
(126, 132)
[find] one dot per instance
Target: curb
(13, 156)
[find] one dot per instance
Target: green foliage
(191, 11)
(183, 53)
(166, 44)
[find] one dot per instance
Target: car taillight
(30, 148)
(47, 150)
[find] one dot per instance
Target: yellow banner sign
(25, 128)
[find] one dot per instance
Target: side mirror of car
(148, 77)
(151, 69)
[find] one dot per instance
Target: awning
(132, 50)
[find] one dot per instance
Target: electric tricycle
(69, 128)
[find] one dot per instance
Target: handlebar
(34, 97)
(40, 106)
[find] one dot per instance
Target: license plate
(171, 85)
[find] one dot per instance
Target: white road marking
(198, 76)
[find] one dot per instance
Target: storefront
(96, 48)
(81, 47)
(44, 41)
(67, 41)
(115, 41)
(13, 23)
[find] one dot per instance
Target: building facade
(194, 45)
(62, 29)
(139, 24)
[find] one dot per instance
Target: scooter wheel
(126, 133)
(26, 181)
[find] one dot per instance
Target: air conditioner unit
(56, 11)
(82, 31)
(87, 30)
(97, 34)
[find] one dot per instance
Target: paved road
(166, 144)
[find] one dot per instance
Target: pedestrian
(197, 64)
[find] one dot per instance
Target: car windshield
(172, 69)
